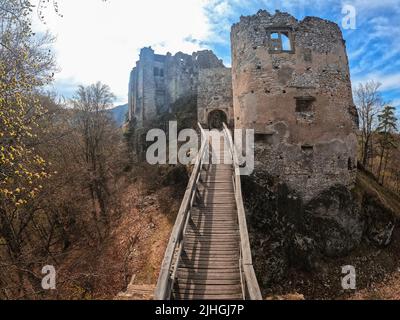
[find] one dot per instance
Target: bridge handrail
(250, 279)
(166, 277)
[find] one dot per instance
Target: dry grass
(367, 184)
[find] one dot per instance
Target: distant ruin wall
(291, 84)
(158, 81)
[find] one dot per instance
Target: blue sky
(373, 46)
(101, 41)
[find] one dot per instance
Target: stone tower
(291, 84)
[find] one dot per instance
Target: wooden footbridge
(208, 255)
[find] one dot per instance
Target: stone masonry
(289, 81)
(291, 84)
(158, 81)
(215, 96)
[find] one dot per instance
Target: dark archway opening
(216, 119)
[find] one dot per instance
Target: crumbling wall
(291, 84)
(158, 81)
(214, 93)
(142, 86)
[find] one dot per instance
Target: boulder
(334, 221)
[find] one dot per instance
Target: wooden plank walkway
(208, 254)
(209, 262)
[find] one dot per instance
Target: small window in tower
(280, 41)
(161, 72)
(305, 108)
(304, 104)
(266, 138)
(156, 72)
(307, 149)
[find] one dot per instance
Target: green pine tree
(386, 127)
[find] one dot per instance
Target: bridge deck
(208, 254)
(209, 264)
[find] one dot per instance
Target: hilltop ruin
(289, 81)
(158, 81)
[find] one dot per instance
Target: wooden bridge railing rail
(172, 255)
(251, 290)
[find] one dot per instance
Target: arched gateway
(216, 118)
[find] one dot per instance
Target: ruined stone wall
(291, 83)
(158, 81)
(181, 75)
(142, 87)
(132, 93)
(215, 93)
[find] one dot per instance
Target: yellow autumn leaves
(21, 169)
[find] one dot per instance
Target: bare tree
(94, 125)
(49, 157)
(369, 102)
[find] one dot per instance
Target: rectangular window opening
(158, 72)
(305, 104)
(280, 41)
(307, 149)
(266, 138)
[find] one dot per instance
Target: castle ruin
(291, 84)
(289, 81)
(158, 81)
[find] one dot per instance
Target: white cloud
(99, 41)
(223, 8)
(388, 81)
(369, 6)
